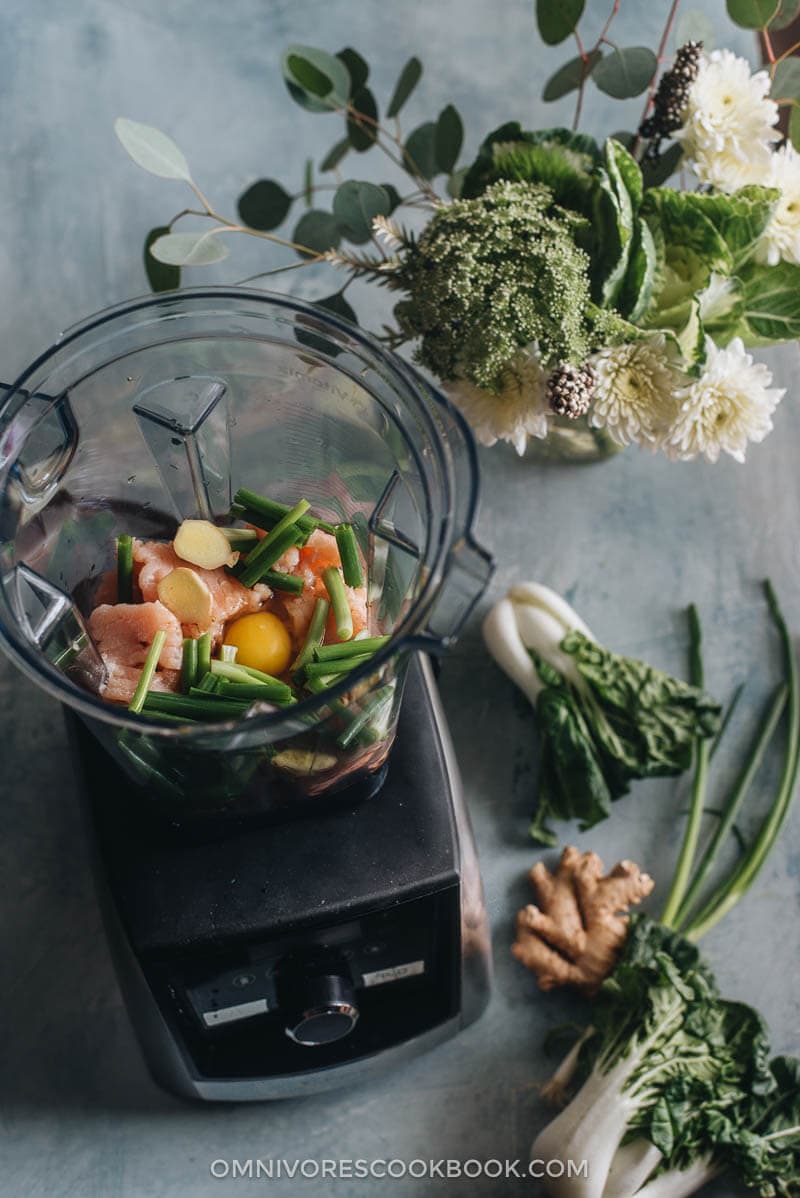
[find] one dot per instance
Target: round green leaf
(788, 11)
(318, 231)
(568, 78)
(337, 304)
(357, 68)
(408, 80)
(152, 150)
(752, 14)
(354, 206)
(189, 249)
(625, 73)
(420, 151)
(264, 205)
(393, 195)
(318, 81)
(557, 18)
(786, 80)
(449, 139)
(362, 134)
(335, 155)
(794, 127)
(160, 276)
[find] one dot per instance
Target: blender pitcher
(158, 410)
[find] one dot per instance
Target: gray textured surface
(630, 542)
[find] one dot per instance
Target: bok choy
(604, 719)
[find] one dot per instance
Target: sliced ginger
(574, 935)
(187, 597)
(203, 544)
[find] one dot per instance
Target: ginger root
(573, 937)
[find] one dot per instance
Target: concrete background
(630, 542)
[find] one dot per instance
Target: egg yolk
(262, 642)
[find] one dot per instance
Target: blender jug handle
(468, 573)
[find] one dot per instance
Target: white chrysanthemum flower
(717, 298)
(729, 122)
(730, 404)
(518, 411)
(781, 239)
(634, 391)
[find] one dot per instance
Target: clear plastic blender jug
(158, 410)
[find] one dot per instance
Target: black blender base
(296, 957)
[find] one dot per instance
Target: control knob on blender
(322, 1009)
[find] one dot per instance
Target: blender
(291, 903)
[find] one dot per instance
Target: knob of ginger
(574, 935)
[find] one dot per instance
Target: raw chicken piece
(123, 680)
(319, 552)
(229, 597)
(123, 633)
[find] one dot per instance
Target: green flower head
(491, 275)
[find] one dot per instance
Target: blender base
(297, 957)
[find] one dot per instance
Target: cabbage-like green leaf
(739, 219)
(613, 234)
(639, 283)
(686, 223)
(771, 297)
(624, 172)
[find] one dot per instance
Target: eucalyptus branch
(588, 58)
(651, 91)
(405, 161)
(277, 270)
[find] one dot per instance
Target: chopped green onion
(234, 672)
(373, 708)
(348, 552)
(272, 511)
(259, 674)
(315, 633)
(252, 691)
(367, 644)
(318, 685)
(208, 684)
(124, 568)
(194, 706)
(228, 653)
(283, 582)
(265, 556)
(240, 537)
(203, 654)
(189, 671)
(320, 669)
(334, 585)
(148, 670)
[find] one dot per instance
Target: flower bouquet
(557, 281)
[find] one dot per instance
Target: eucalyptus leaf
(362, 134)
(335, 155)
(393, 196)
(794, 126)
(318, 81)
(420, 151)
(357, 68)
(568, 78)
(264, 205)
(788, 11)
(355, 205)
(189, 249)
(153, 150)
(449, 139)
(160, 276)
(318, 231)
(557, 19)
(408, 80)
(752, 14)
(654, 173)
(625, 73)
(786, 80)
(337, 304)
